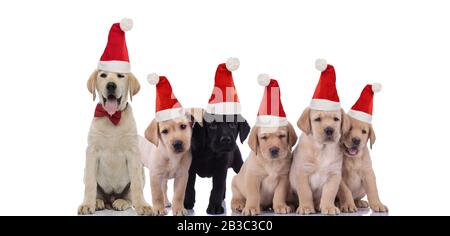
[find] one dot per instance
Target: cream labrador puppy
(316, 167)
(167, 155)
(113, 175)
(358, 177)
(263, 181)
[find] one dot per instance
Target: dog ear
(196, 115)
(345, 123)
(91, 84)
(244, 129)
(198, 137)
(133, 85)
(253, 140)
(152, 133)
(304, 122)
(372, 136)
(292, 136)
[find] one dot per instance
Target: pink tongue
(353, 151)
(111, 106)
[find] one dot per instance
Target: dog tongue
(111, 106)
(353, 151)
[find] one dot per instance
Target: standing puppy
(263, 181)
(113, 175)
(316, 169)
(214, 147)
(358, 177)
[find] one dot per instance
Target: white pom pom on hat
(153, 79)
(321, 64)
(376, 87)
(263, 79)
(126, 24)
(232, 63)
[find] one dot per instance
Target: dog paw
(237, 205)
(361, 204)
(349, 207)
(86, 209)
(144, 210)
(378, 207)
(214, 209)
(189, 205)
(305, 210)
(282, 209)
(159, 211)
(251, 211)
(329, 210)
(121, 205)
(99, 205)
(179, 211)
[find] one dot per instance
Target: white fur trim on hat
(169, 114)
(376, 87)
(126, 24)
(114, 66)
(232, 63)
(224, 108)
(263, 79)
(153, 79)
(324, 105)
(321, 64)
(361, 116)
(270, 121)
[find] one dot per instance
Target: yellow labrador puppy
(263, 181)
(316, 168)
(168, 156)
(358, 177)
(114, 175)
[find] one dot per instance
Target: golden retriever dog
(114, 175)
(263, 181)
(168, 156)
(358, 177)
(317, 160)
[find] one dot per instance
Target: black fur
(212, 157)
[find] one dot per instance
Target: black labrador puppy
(214, 150)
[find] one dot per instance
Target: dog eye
(213, 126)
(282, 136)
(103, 75)
(183, 126)
(120, 75)
(364, 131)
(165, 131)
(318, 119)
(336, 119)
(264, 138)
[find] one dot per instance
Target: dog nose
(225, 139)
(356, 141)
(329, 131)
(111, 87)
(177, 145)
(274, 151)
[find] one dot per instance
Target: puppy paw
(251, 211)
(179, 211)
(329, 210)
(378, 207)
(349, 207)
(189, 205)
(159, 211)
(144, 210)
(121, 205)
(361, 204)
(237, 205)
(214, 209)
(99, 205)
(305, 210)
(282, 209)
(86, 209)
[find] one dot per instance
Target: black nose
(329, 131)
(178, 145)
(274, 151)
(225, 139)
(356, 141)
(111, 87)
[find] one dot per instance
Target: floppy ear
(244, 129)
(292, 136)
(372, 136)
(91, 84)
(198, 137)
(133, 85)
(346, 123)
(196, 115)
(253, 139)
(152, 133)
(304, 122)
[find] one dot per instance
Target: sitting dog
(113, 176)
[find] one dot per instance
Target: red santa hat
(224, 99)
(362, 110)
(115, 57)
(325, 96)
(271, 112)
(167, 105)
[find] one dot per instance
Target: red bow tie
(100, 112)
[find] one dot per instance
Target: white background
(48, 49)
